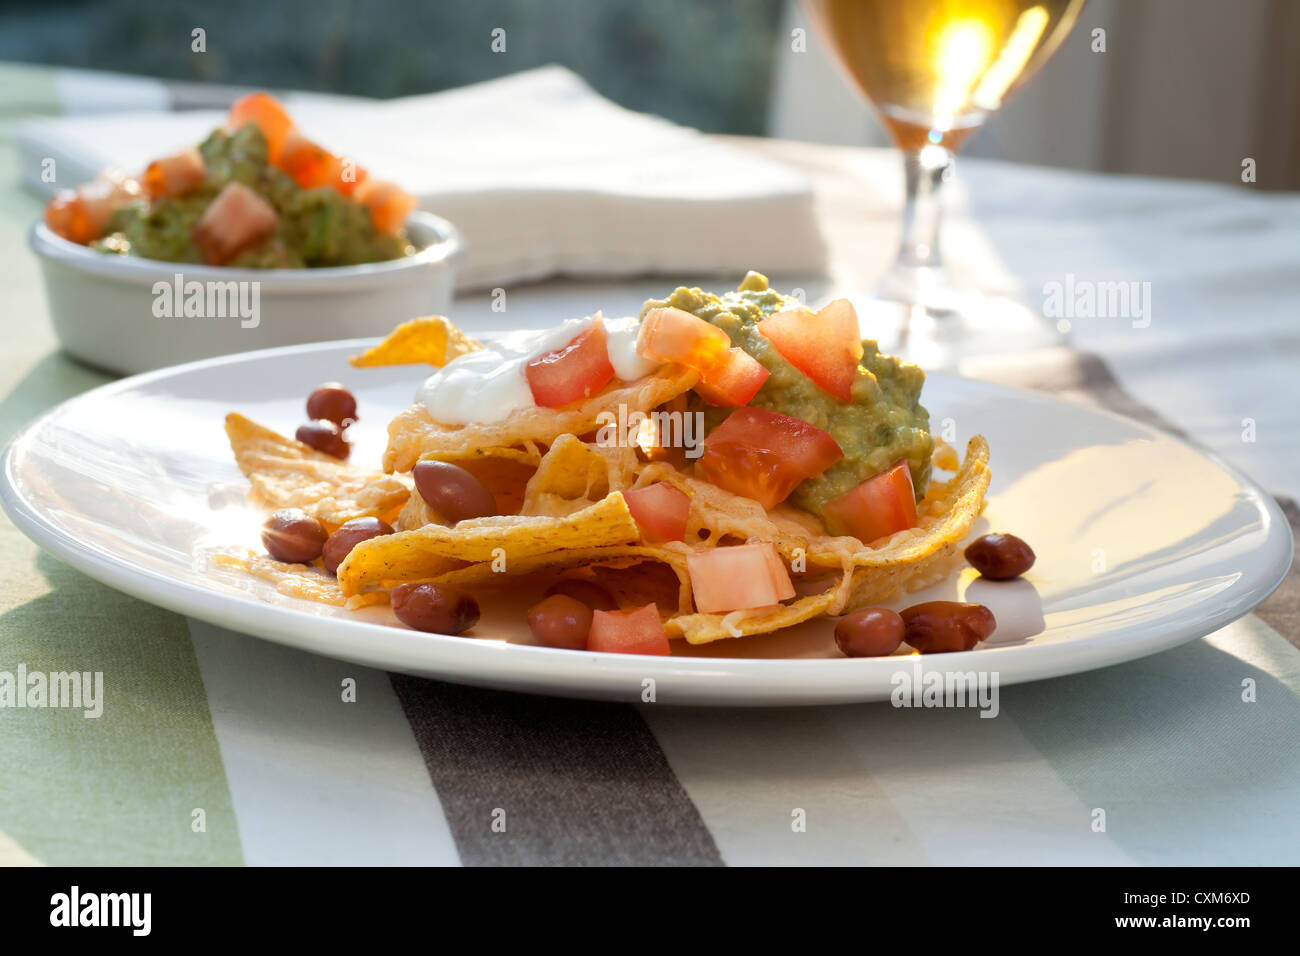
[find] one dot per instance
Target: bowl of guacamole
(317, 227)
(257, 237)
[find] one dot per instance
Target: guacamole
(318, 227)
(884, 423)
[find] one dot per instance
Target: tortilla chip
(436, 549)
(574, 475)
(616, 557)
(297, 580)
(433, 340)
(413, 434)
(285, 473)
(707, 628)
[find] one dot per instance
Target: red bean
(1000, 557)
(334, 403)
(941, 626)
(869, 632)
(587, 592)
(350, 534)
(325, 437)
(452, 491)
(292, 535)
(560, 621)
(434, 608)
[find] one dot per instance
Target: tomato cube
(174, 175)
(826, 346)
(233, 221)
(673, 335)
(764, 455)
(877, 508)
(574, 372)
(739, 577)
(733, 380)
(660, 511)
(265, 111)
(635, 631)
(389, 204)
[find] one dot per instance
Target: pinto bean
(292, 535)
(452, 491)
(1000, 557)
(869, 632)
(940, 626)
(434, 608)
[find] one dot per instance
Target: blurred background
(1185, 88)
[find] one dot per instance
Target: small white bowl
(121, 313)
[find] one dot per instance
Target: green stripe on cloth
(119, 789)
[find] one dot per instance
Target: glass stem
(926, 169)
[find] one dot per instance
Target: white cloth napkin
(541, 174)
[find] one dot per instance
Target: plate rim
(690, 680)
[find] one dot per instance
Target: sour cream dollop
(489, 385)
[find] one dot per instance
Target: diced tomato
(660, 511)
(737, 578)
(236, 219)
(265, 111)
(733, 380)
(637, 631)
(728, 376)
(351, 177)
(81, 215)
(174, 175)
(576, 371)
(877, 508)
(763, 455)
(308, 164)
(673, 335)
(826, 346)
(389, 204)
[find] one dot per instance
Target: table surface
(254, 736)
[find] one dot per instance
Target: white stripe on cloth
(13, 854)
(314, 780)
(878, 786)
(750, 771)
(973, 789)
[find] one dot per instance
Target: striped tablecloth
(420, 772)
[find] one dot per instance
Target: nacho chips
(574, 475)
(285, 473)
(432, 340)
(436, 549)
(563, 513)
(297, 580)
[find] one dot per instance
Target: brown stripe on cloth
(1083, 375)
(580, 783)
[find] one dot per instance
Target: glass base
(936, 326)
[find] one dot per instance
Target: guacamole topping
(884, 422)
(318, 227)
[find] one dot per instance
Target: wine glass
(935, 70)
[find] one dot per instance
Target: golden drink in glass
(935, 70)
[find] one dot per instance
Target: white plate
(1143, 542)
